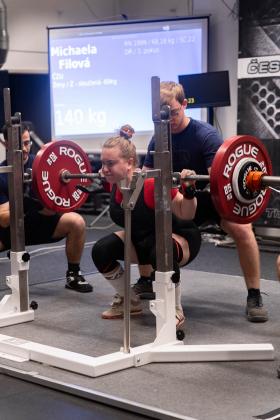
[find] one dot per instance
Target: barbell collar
(27, 176)
(257, 181)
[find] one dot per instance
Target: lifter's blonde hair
(127, 148)
(170, 91)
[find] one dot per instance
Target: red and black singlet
(143, 214)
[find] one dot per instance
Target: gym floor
(214, 298)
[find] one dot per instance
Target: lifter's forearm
(183, 208)
(4, 215)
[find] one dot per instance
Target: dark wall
(271, 215)
(30, 95)
(4, 83)
(259, 95)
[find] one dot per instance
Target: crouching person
(118, 158)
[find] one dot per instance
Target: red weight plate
(53, 159)
(232, 151)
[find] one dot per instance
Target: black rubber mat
(21, 400)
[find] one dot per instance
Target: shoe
(75, 281)
(117, 310)
(180, 317)
(144, 288)
(255, 310)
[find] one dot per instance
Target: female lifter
(119, 161)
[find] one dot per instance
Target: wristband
(188, 192)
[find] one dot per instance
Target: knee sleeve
(5, 238)
(193, 237)
(188, 230)
(206, 211)
(177, 257)
(177, 251)
(106, 252)
(144, 248)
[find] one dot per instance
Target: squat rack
(166, 347)
(14, 307)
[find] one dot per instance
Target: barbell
(241, 173)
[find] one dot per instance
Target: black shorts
(39, 229)
(206, 211)
(145, 248)
(189, 231)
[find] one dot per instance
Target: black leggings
(107, 251)
(39, 229)
(206, 211)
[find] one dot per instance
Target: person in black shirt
(42, 225)
(194, 145)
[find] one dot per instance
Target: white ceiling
(27, 21)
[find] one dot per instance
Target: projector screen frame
(92, 141)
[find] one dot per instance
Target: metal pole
(130, 196)
(15, 178)
(176, 175)
(127, 264)
(268, 180)
(15, 181)
(67, 175)
(265, 180)
(163, 183)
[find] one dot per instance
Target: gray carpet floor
(214, 298)
(211, 258)
(214, 305)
